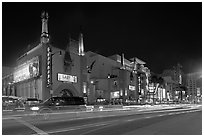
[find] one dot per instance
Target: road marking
(9, 110)
(89, 117)
(37, 130)
(84, 133)
(100, 124)
(170, 113)
(148, 117)
(132, 119)
(156, 110)
(9, 118)
(104, 126)
(82, 127)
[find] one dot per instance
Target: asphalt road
(180, 121)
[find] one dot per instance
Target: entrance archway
(66, 89)
(65, 93)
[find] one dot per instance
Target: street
(184, 120)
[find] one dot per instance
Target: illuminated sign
(84, 87)
(49, 66)
(121, 92)
(198, 92)
(151, 87)
(125, 92)
(27, 70)
(67, 78)
(131, 87)
(115, 94)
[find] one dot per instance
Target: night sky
(161, 34)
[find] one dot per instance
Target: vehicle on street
(32, 101)
(60, 104)
(101, 101)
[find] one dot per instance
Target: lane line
(37, 130)
(106, 124)
(129, 120)
(82, 127)
(170, 113)
(10, 118)
(148, 117)
(101, 116)
(55, 113)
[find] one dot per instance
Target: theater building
(47, 71)
(116, 79)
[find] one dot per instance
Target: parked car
(101, 101)
(12, 102)
(60, 104)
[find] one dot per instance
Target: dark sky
(161, 34)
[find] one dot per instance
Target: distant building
(175, 73)
(169, 87)
(8, 88)
(194, 86)
(174, 78)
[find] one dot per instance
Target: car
(32, 101)
(12, 102)
(60, 104)
(101, 101)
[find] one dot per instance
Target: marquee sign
(131, 87)
(66, 78)
(115, 94)
(27, 70)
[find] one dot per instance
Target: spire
(135, 64)
(81, 43)
(44, 33)
(122, 61)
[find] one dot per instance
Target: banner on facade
(27, 70)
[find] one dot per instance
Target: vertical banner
(49, 66)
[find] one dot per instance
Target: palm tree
(181, 88)
(158, 82)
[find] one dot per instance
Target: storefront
(28, 78)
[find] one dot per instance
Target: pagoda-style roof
(139, 61)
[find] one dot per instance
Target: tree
(157, 82)
(181, 88)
